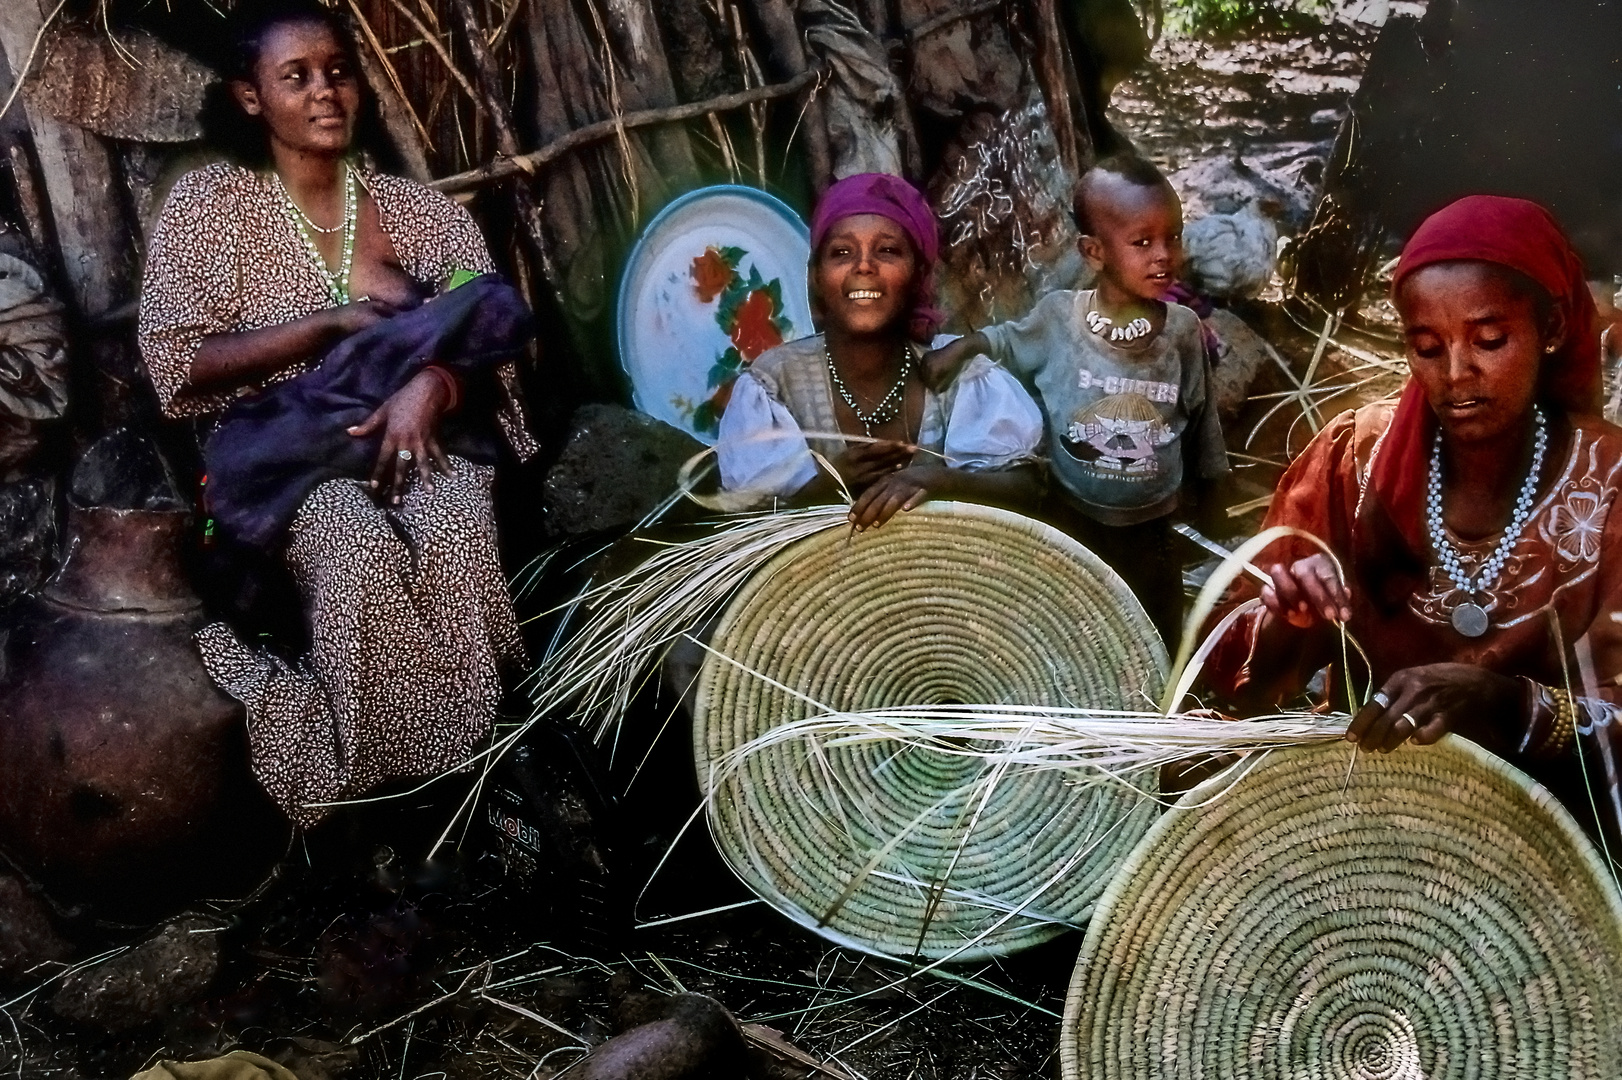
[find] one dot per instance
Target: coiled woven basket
(1433, 914)
(908, 851)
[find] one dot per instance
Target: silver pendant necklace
(1469, 616)
(889, 405)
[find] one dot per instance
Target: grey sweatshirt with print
(1121, 419)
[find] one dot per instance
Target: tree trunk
(591, 63)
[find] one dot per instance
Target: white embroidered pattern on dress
(1574, 526)
(1562, 544)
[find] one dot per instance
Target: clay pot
(124, 778)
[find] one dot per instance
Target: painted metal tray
(717, 278)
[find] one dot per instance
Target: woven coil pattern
(1441, 917)
(941, 855)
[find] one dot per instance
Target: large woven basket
(949, 603)
(1432, 914)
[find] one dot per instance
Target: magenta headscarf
(893, 198)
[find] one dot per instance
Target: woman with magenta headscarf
(1475, 519)
(854, 393)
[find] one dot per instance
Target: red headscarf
(1524, 237)
(893, 198)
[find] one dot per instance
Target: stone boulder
(27, 938)
(616, 466)
(166, 972)
(1240, 358)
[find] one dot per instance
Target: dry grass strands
(894, 848)
(1050, 760)
(626, 625)
(1436, 915)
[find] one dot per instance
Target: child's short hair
(1137, 171)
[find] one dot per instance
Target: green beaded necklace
(337, 283)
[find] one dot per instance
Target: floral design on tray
(749, 310)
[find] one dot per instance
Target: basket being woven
(1434, 915)
(940, 854)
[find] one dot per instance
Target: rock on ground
(1228, 185)
(617, 465)
(1240, 358)
(27, 535)
(27, 938)
(149, 982)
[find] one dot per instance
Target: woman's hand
(865, 463)
(1425, 703)
(226, 362)
(359, 315)
(900, 490)
(409, 420)
(1307, 592)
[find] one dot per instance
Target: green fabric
(237, 1065)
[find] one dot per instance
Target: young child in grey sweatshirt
(1123, 381)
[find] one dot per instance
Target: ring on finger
(405, 455)
(1409, 717)
(1379, 698)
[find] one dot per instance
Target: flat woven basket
(949, 603)
(1434, 914)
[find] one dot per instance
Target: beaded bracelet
(1551, 720)
(1565, 725)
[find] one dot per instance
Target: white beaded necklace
(1105, 327)
(337, 284)
(889, 406)
(1469, 617)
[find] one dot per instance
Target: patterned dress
(411, 624)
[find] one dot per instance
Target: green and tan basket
(904, 850)
(1425, 915)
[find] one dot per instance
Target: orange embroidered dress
(1559, 594)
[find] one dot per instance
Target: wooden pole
(81, 178)
(404, 127)
(785, 51)
(495, 107)
(1051, 74)
(95, 235)
(504, 167)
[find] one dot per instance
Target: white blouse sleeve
(759, 446)
(994, 422)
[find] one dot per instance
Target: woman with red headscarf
(1474, 519)
(873, 251)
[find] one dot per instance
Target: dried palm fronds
(632, 620)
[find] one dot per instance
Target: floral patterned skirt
(411, 629)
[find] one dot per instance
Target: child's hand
(940, 366)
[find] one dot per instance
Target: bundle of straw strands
(951, 833)
(614, 633)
